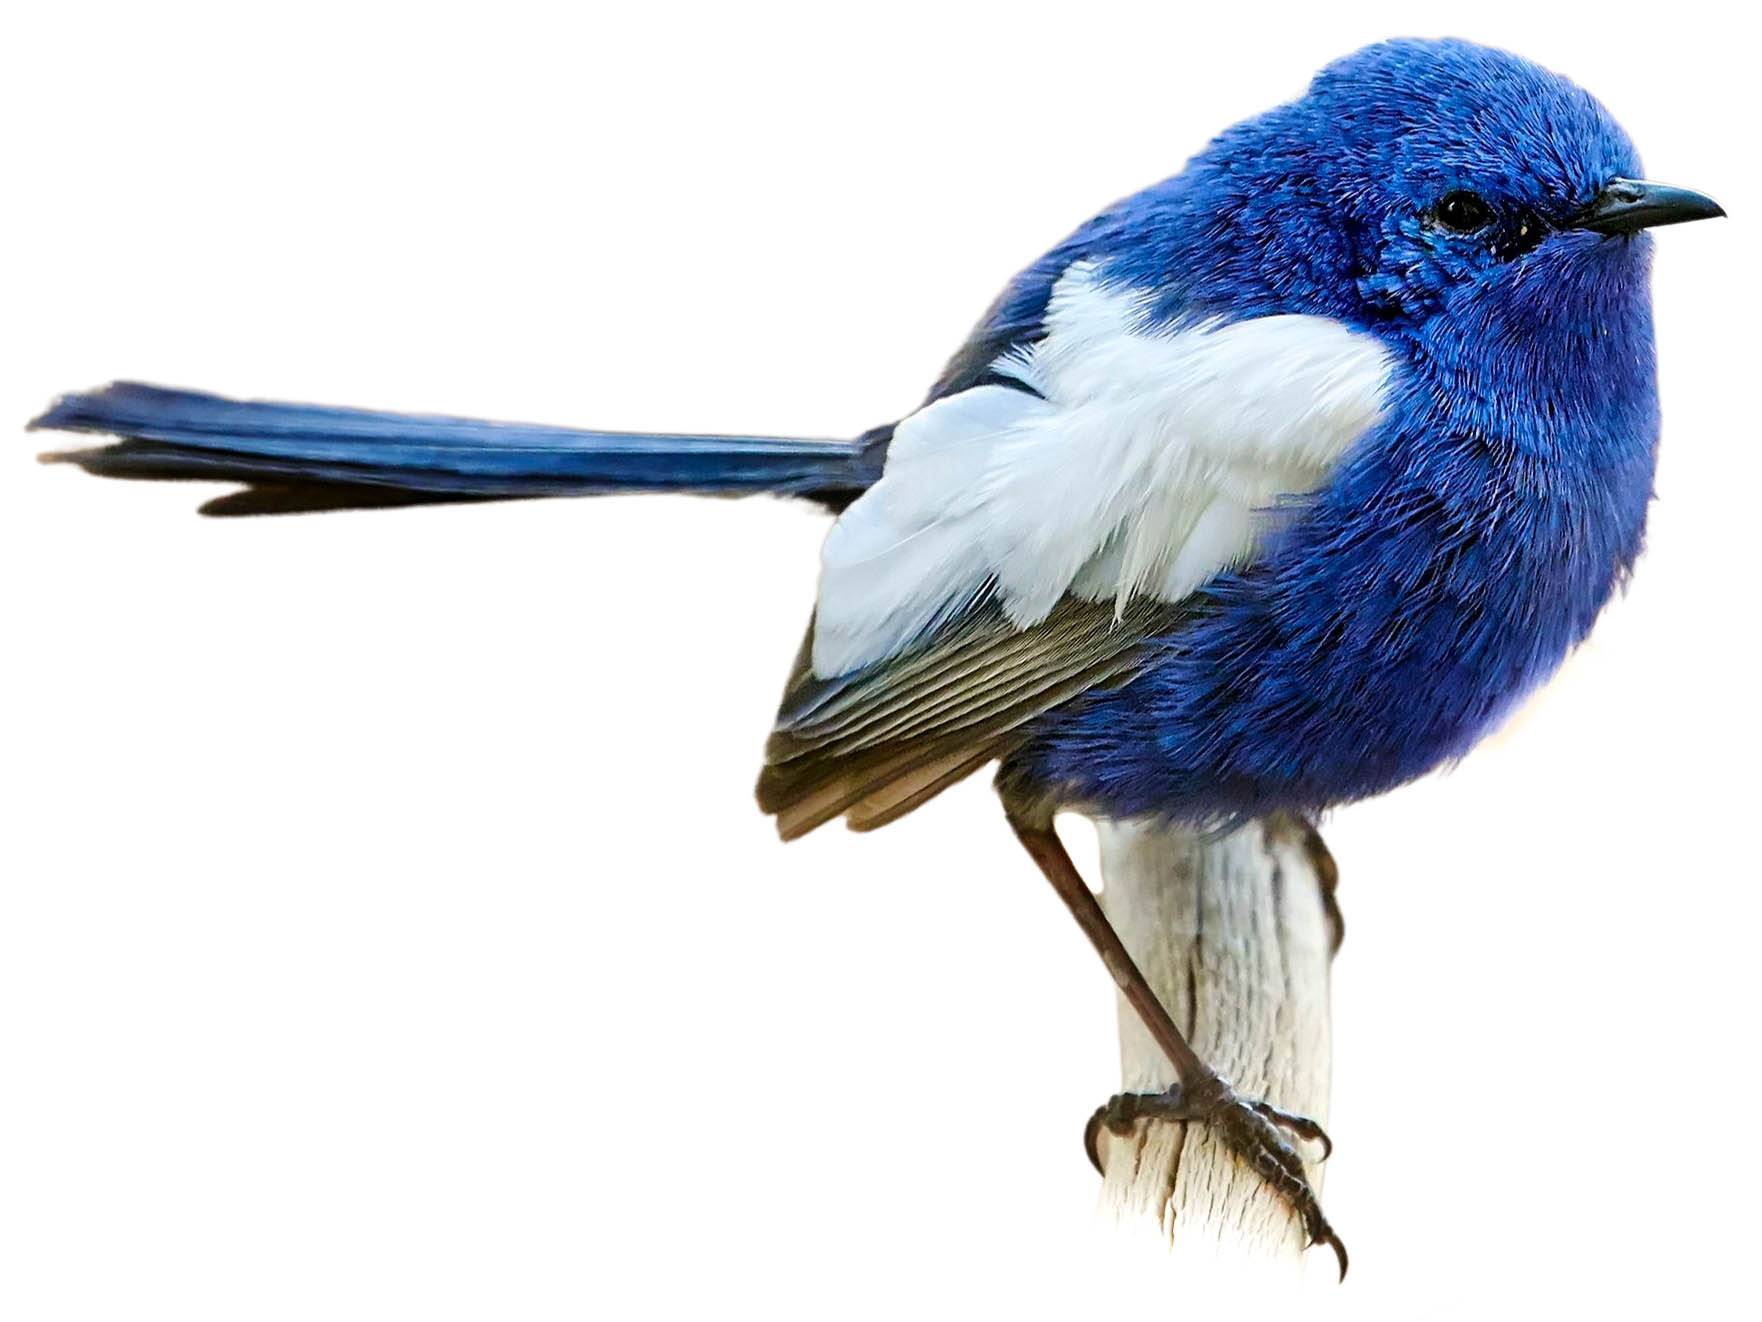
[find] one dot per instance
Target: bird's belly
(1263, 705)
(1201, 747)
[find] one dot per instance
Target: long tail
(299, 457)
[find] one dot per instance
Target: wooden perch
(1236, 935)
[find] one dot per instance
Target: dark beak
(1626, 205)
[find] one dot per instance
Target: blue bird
(1271, 487)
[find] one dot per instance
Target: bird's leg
(1254, 1130)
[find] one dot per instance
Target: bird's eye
(1463, 212)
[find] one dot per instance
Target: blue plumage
(1466, 542)
(337, 456)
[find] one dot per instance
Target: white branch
(1236, 936)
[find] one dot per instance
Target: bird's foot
(1259, 1133)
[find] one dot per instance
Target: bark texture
(1236, 935)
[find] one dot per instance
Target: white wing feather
(1144, 464)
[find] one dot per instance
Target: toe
(1120, 1112)
(1300, 1125)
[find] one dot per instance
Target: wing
(1031, 532)
(875, 744)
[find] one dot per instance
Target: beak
(1627, 205)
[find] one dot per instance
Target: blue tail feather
(305, 457)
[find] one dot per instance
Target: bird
(1270, 488)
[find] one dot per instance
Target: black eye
(1463, 212)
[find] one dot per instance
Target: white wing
(1143, 464)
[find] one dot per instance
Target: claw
(1254, 1130)
(1300, 1125)
(1091, 1133)
(1117, 1114)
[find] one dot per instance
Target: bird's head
(1471, 173)
(1424, 183)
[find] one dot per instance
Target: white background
(386, 928)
